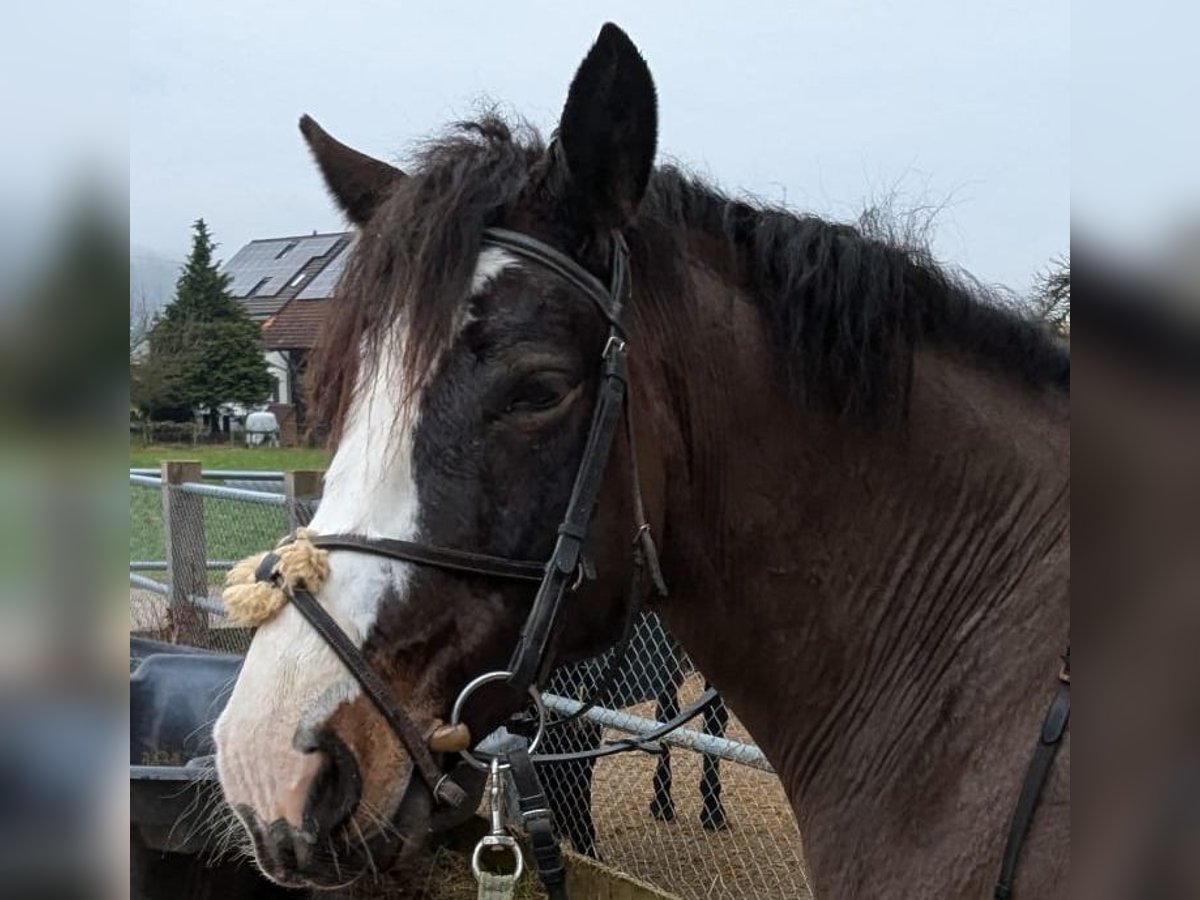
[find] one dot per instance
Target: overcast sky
(826, 105)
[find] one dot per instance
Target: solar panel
(322, 286)
(262, 259)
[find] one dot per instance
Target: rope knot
(259, 586)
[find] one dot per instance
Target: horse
(849, 464)
(651, 668)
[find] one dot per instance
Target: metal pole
(724, 748)
(183, 520)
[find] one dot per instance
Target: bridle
(566, 568)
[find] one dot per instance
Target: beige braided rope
(299, 564)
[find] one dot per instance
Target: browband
(609, 302)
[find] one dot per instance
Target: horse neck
(873, 601)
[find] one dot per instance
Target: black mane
(844, 309)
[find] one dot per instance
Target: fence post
(303, 488)
(183, 524)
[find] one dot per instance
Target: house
(287, 284)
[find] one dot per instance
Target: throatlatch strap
(1054, 726)
(443, 789)
(539, 824)
(643, 540)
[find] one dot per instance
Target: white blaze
(492, 261)
(290, 677)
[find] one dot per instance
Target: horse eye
(538, 394)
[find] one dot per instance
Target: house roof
(267, 274)
(297, 326)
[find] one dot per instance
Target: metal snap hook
(498, 839)
(497, 842)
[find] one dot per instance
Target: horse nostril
(336, 789)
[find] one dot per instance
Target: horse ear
(357, 181)
(609, 130)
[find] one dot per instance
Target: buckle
(585, 569)
(613, 345)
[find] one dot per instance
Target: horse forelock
(417, 258)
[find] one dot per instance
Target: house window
(262, 283)
(287, 248)
(299, 278)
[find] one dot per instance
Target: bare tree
(1051, 298)
(141, 321)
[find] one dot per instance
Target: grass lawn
(232, 528)
(230, 457)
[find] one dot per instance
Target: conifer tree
(207, 339)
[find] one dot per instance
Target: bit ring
(474, 685)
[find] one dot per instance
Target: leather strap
(531, 660)
(609, 302)
(1054, 726)
(443, 789)
(438, 557)
(539, 823)
(645, 562)
(643, 541)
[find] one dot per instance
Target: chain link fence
(183, 538)
(693, 823)
(704, 817)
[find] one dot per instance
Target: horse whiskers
(333, 856)
(224, 825)
(199, 810)
(381, 822)
(232, 842)
(366, 850)
(228, 837)
(327, 852)
(213, 819)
